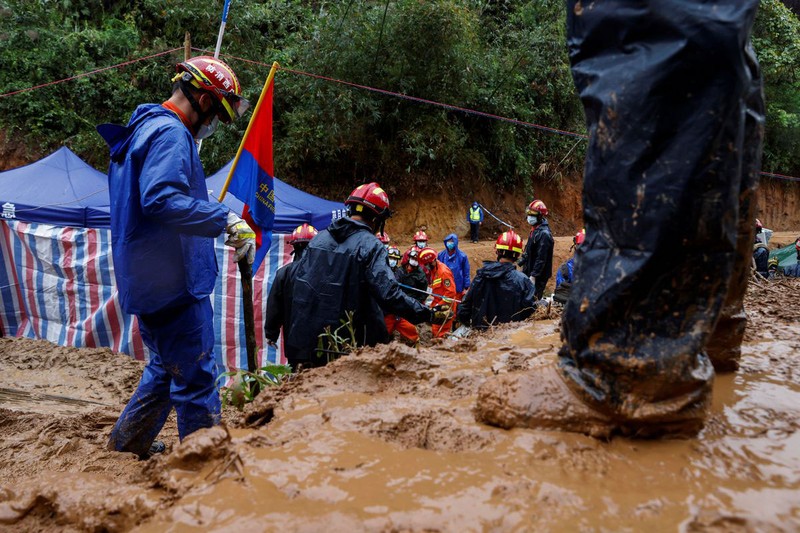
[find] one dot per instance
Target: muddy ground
(385, 440)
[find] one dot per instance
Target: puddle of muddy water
(340, 460)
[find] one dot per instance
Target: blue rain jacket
(457, 262)
(162, 223)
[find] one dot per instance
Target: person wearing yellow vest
(475, 219)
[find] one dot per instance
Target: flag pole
(222, 28)
(270, 77)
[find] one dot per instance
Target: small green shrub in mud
(341, 341)
(246, 385)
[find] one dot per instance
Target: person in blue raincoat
(458, 263)
(162, 232)
(345, 270)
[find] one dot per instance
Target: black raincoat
(537, 259)
(499, 294)
(344, 269)
(673, 106)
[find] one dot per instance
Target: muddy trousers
(402, 326)
(181, 373)
(667, 87)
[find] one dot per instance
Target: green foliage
(332, 344)
(776, 38)
(245, 386)
(501, 57)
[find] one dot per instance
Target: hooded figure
(345, 269)
(457, 261)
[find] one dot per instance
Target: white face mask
(206, 130)
(421, 244)
(392, 263)
(532, 220)
(413, 262)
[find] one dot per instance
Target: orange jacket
(442, 283)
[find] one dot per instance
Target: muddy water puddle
(387, 460)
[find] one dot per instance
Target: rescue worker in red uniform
(394, 323)
(442, 286)
(421, 240)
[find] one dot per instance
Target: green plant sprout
(246, 385)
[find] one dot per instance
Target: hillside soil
(385, 440)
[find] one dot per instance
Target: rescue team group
(161, 212)
(644, 328)
(499, 292)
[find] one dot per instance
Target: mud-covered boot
(538, 398)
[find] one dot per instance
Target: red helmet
(383, 237)
(302, 234)
(536, 207)
(509, 241)
(411, 253)
(759, 225)
(212, 75)
(394, 252)
(797, 245)
(427, 256)
(369, 197)
(579, 237)
(420, 236)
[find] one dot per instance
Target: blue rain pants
(181, 373)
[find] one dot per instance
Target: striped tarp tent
(57, 272)
(57, 283)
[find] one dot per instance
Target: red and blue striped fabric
(57, 283)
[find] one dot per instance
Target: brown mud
(386, 440)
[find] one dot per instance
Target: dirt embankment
(385, 440)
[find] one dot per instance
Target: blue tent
(60, 189)
(292, 206)
(63, 190)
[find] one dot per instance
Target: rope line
(76, 76)
(494, 217)
(449, 106)
(415, 98)
(349, 84)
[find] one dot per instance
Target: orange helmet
(217, 78)
(383, 237)
(579, 237)
(302, 234)
(369, 198)
(509, 241)
(427, 257)
(536, 207)
(420, 236)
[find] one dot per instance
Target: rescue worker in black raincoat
(499, 293)
(279, 300)
(675, 115)
(537, 260)
(411, 275)
(344, 269)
